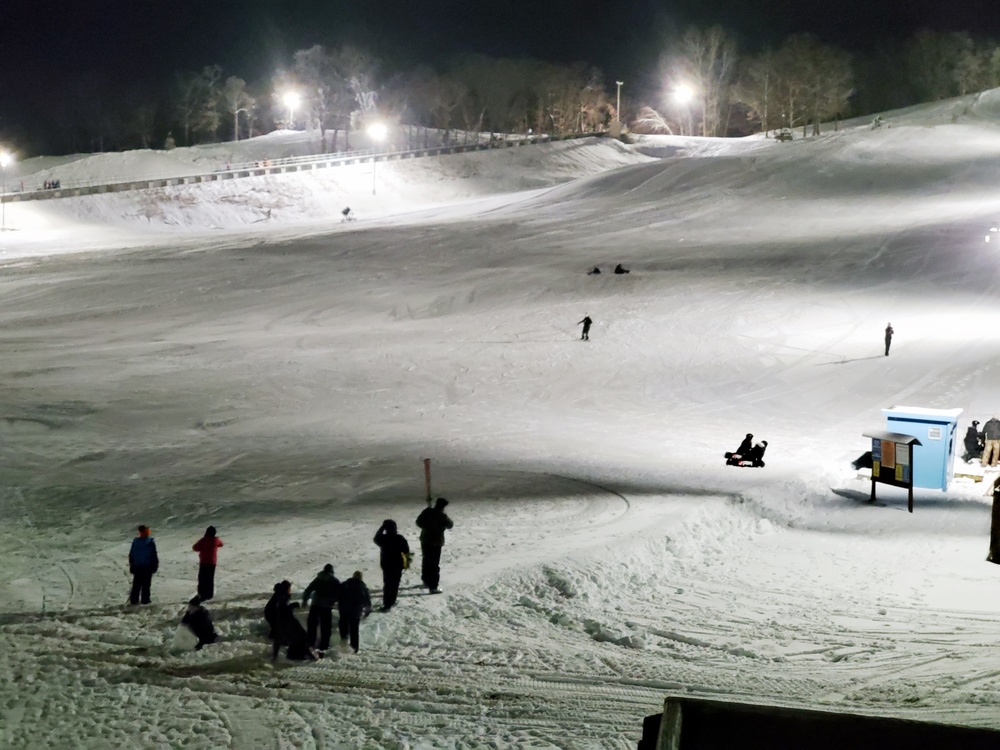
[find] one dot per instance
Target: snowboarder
(208, 555)
(433, 522)
(143, 563)
(619, 269)
(392, 547)
(991, 438)
(324, 590)
(355, 602)
(888, 337)
(587, 322)
(973, 442)
(199, 622)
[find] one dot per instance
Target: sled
(735, 459)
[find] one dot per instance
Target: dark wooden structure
(706, 724)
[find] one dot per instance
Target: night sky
(48, 47)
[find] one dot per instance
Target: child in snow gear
(973, 442)
(324, 590)
(199, 622)
(587, 322)
(355, 603)
(208, 554)
(433, 522)
(143, 563)
(888, 337)
(392, 545)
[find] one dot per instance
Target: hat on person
(975, 423)
(440, 502)
(328, 568)
(210, 531)
(143, 530)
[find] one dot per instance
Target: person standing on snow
(888, 337)
(143, 562)
(324, 590)
(973, 442)
(433, 522)
(991, 436)
(355, 603)
(208, 555)
(392, 548)
(587, 322)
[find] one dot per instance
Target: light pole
(5, 160)
(291, 100)
(683, 95)
(618, 107)
(377, 132)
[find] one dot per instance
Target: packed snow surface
(234, 354)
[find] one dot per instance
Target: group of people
(351, 597)
(748, 453)
(983, 444)
(51, 184)
(619, 269)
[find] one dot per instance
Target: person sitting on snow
(619, 269)
(756, 453)
(973, 442)
(745, 446)
(199, 622)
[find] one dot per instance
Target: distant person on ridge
(208, 555)
(587, 322)
(594, 272)
(143, 562)
(888, 337)
(619, 269)
(433, 522)
(991, 436)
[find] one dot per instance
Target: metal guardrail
(278, 166)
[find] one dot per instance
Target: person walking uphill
(587, 323)
(991, 436)
(143, 562)
(888, 337)
(355, 603)
(393, 546)
(324, 590)
(208, 556)
(433, 522)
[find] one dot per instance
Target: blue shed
(937, 431)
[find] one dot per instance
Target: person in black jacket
(392, 546)
(587, 323)
(199, 622)
(973, 442)
(324, 590)
(355, 602)
(285, 626)
(745, 446)
(433, 522)
(888, 337)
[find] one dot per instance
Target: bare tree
(705, 59)
(316, 73)
(196, 97)
(237, 100)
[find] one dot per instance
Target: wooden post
(912, 475)
(670, 726)
(427, 478)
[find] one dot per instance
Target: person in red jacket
(208, 555)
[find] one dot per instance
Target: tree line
(804, 82)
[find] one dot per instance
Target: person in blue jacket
(143, 563)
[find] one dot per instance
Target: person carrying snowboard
(433, 522)
(587, 322)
